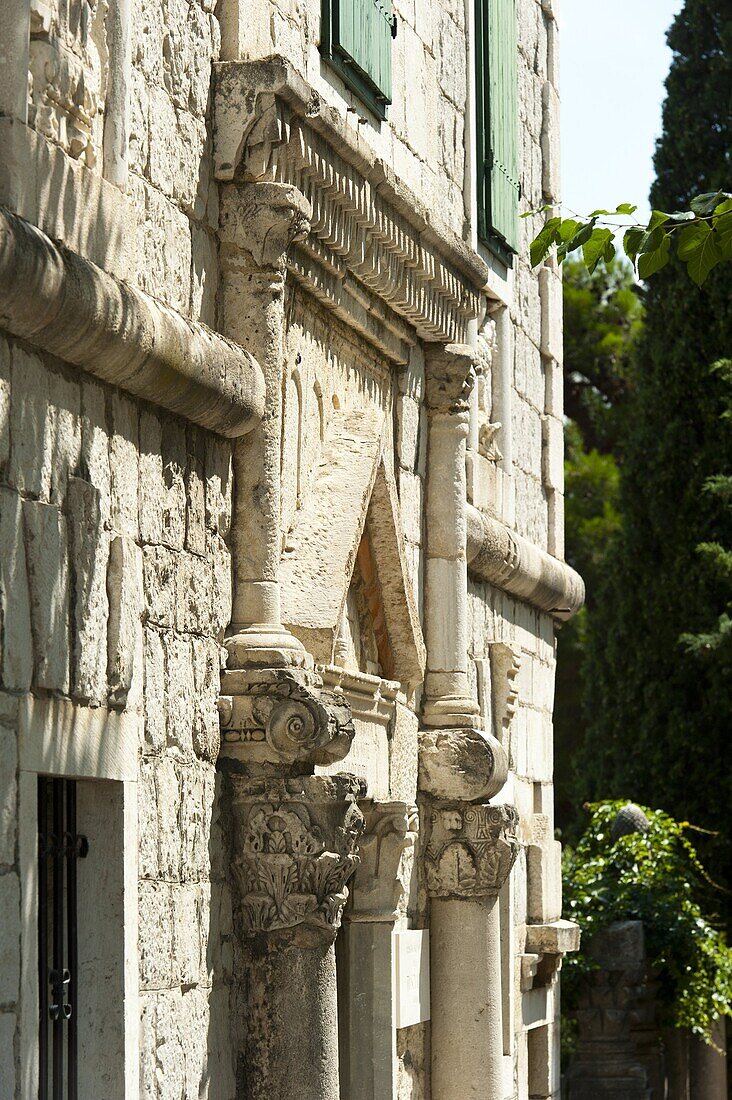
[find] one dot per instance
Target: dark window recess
(499, 188)
(356, 39)
(59, 847)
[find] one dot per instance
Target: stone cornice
(66, 305)
(506, 560)
(272, 126)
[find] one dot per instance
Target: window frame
(377, 101)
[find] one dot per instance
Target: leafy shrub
(657, 878)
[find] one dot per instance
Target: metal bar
(58, 938)
(71, 857)
(43, 968)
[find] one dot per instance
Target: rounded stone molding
(294, 848)
(470, 849)
(465, 764)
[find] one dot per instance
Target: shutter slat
(497, 120)
(363, 37)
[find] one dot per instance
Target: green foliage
(657, 878)
(602, 320)
(657, 714)
(702, 236)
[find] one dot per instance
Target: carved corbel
(391, 828)
(470, 849)
(283, 716)
(464, 764)
(452, 372)
(295, 846)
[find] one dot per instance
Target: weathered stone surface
(17, 644)
(9, 938)
(124, 637)
(89, 548)
(47, 556)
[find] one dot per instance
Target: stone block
(147, 820)
(553, 453)
(9, 938)
(95, 443)
(151, 496)
(174, 498)
(8, 1024)
(221, 585)
(4, 402)
(15, 621)
(408, 433)
(204, 276)
(187, 933)
(558, 938)
(47, 558)
(411, 496)
(218, 485)
(31, 427)
(193, 819)
(65, 407)
(544, 882)
(8, 793)
(155, 939)
(124, 638)
(167, 791)
(155, 700)
(160, 585)
(124, 465)
(403, 755)
(553, 389)
(550, 291)
(551, 177)
(194, 604)
(195, 536)
(179, 678)
(89, 545)
(172, 1037)
(206, 689)
(544, 1069)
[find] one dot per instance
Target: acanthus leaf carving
(470, 848)
(391, 829)
(295, 848)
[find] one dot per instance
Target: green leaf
(582, 235)
(704, 258)
(626, 208)
(568, 228)
(703, 205)
(594, 249)
(690, 239)
(531, 213)
(599, 213)
(543, 241)
(658, 217)
(654, 259)
(632, 242)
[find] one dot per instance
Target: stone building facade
(281, 553)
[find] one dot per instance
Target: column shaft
(465, 997)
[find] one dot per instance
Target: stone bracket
(391, 829)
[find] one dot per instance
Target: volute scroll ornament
(294, 850)
(283, 716)
(470, 849)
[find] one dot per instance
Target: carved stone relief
(68, 74)
(294, 849)
(391, 828)
(470, 848)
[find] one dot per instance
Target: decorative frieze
(294, 849)
(470, 849)
(272, 126)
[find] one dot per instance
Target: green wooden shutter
(357, 37)
(497, 121)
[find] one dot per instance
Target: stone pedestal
(294, 847)
(469, 855)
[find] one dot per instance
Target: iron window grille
(59, 848)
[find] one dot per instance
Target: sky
(614, 60)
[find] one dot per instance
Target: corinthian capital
(450, 376)
(262, 221)
(470, 849)
(294, 849)
(283, 716)
(391, 829)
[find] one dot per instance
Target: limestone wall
(114, 592)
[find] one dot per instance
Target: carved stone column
(367, 1032)
(450, 377)
(470, 850)
(294, 847)
(259, 222)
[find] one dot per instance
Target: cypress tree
(659, 715)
